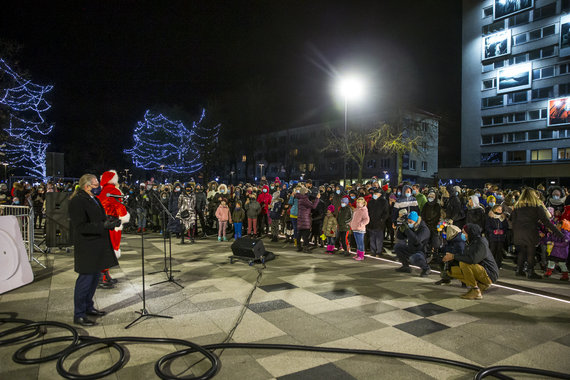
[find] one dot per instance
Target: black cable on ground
(80, 342)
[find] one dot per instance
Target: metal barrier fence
(25, 216)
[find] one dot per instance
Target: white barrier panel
(15, 269)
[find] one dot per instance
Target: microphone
(115, 196)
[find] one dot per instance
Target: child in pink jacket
(224, 216)
(358, 224)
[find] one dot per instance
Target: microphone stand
(164, 224)
(144, 312)
(169, 276)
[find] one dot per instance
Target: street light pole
(345, 138)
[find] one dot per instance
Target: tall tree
(24, 105)
(205, 135)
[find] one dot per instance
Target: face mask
(408, 195)
(491, 204)
(352, 197)
(431, 199)
(498, 213)
(555, 197)
(411, 225)
(297, 191)
(338, 192)
(237, 207)
(414, 192)
(272, 187)
(499, 197)
(343, 205)
(96, 190)
(177, 189)
(478, 195)
(131, 192)
(375, 196)
(265, 190)
(463, 237)
(164, 197)
(399, 193)
(149, 187)
(16, 202)
(222, 191)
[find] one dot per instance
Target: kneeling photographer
(413, 236)
(477, 268)
(454, 244)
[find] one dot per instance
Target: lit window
(541, 155)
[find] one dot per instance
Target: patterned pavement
(308, 299)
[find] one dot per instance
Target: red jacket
(264, 199)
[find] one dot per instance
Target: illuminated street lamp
(350, 88)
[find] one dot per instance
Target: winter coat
(421, 199)
(405, 203)
(142, 201)
(560, 246)
(238, 216)
(431, 215)
(476, 216)
(253, 209)
(330, 225)
(187, 202)
(304, 214)
(223, 214)
(174, 224)
(92, 245)
(201, 201)
(496, 227)
(454, 211)
(264, 199)
(276, 207)
(378, 211)
(294, 202)
(360, 219)
(477, 252)
(344, 217)
(318, 213)
(455, 245)
(417, 237)
(525, 225)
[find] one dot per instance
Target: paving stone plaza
(302, 299)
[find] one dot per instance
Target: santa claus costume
(112, 201)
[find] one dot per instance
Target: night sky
(262, 65)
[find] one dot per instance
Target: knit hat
(452, 231)
(457, 189)
(385, 187)
(413, 216)
(330, 208)
(491, 198)
(344, 200)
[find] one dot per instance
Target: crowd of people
(453, 226)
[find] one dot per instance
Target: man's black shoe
(105, 285)
(533, 276)
(425, 272)
(443, 281)
(404, 269)
(84, 321)
(97, 313)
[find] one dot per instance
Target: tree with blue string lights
(165, 145)
(24, 104)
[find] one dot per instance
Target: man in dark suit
(92, 247)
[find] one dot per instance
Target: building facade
(299, 153)
(515, 83)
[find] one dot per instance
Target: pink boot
(359, 256)
(330, 249)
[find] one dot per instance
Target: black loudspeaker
(250, 248)
(58, 232)
(54, 164)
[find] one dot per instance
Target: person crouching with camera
(477, 268)
(455, 245)
(413, 236)
(92, 246)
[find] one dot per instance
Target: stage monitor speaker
(15, 269)
(247, 247)
(58, 232)
(54, 164)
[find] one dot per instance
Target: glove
(111, 222)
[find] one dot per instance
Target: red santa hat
(385, 188)
(111, 177)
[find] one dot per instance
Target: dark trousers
(525, 253)
(85, 287)
(200, 215)
(262, 224)
(406, 256)
(497, 247)
(303, 235)
(343, 240)
(376, 241)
